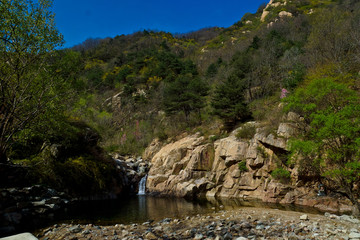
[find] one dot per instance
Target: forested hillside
(116, 95)
(155, 84)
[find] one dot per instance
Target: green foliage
(30, 85)
(281, 175)
(228, 102)
(295, 77)
(161, 134)
(332, 112)
(214, 138)
(185, 94)
(242, 166)
(247, 131)
(262, 152)
(211, 70)
(68, 158)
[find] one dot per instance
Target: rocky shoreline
(26, 208)
(240, 224)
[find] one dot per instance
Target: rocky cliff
(196, 167)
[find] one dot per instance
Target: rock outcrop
(26, 208)
(193, 167)
(272, 5)
(133, 168)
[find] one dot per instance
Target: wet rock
(75, 229)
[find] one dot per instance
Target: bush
(281, 175)
(247, 131)
(242, 166)
(262, 152)
(213, 138)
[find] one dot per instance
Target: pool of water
(135, 209)
(138, 209)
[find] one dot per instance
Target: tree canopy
(29, 85)
(228, 101)
(331, 134)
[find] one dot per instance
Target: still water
(138, 209)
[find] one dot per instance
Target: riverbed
(240, 224)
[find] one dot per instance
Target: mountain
(299, 56)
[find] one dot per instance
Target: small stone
(240, 238)
(260, 227)
(227, 236)
(158, 228)
(354, 235)
(198, 236)
(150, 236)
(304, 217)
(350, 219)
(75, 229)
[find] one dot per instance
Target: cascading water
(142, 186)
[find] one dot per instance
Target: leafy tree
(28, 84)
(211, 70)
(228, 101)
(187, 94)
(331, 135)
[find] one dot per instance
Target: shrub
(247, 131)
(242, 166)
(213, 138)
(262, 152)
(281, 174)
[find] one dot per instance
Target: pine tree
(228, 102)
(187, 94)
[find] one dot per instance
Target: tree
(28, 82)
(187, 94)
(331, 135)
(228, 101)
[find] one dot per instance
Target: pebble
(198, 236)
(304, 217)
(150, 236)
(75, 229)
(354, 235)
(225, 225)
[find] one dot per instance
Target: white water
(142, 186)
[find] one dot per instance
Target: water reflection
(135, 209)
(143, 208)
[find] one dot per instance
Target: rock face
(133, 168)
(192, 167)
(273, 4)
(28, 207)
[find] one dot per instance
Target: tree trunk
(354, 201)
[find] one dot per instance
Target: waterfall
(142, 186)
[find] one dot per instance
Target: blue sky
(78, 20)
